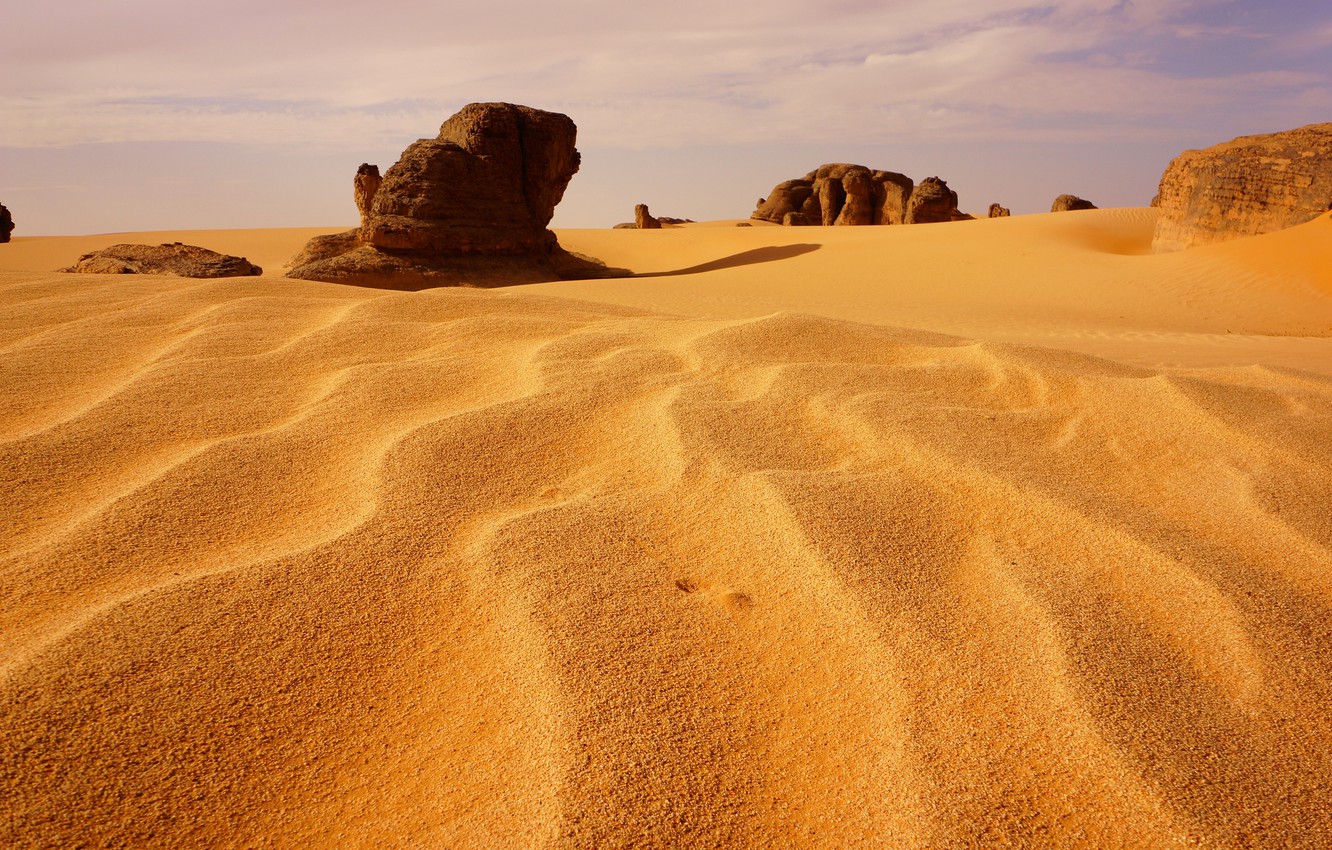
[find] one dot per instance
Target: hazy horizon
(249, 115)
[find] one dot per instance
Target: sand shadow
(744, 258)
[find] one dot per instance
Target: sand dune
(991, 534)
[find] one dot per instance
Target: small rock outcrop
(997, 211)
(838, 194)
(170, 258)
(1244, 187)
(1066, 203)
(931, 202)
(470, 206)
(643, 219)
(6, 223)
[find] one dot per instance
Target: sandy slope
(727, 557)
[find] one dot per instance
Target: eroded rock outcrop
(838, 194)
(932, 202)
(1244, 187)
(470, 206)
(997, 211)
(364, 187)
(1067, 203)
(643, 219)
(170, 258)
(6, 223)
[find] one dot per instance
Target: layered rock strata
(170, 258)
(470, 206)
(1244, 187)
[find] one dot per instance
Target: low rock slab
(169, 258)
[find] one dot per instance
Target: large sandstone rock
(6, 223)
(997, 211)
(171, 258)
(838, 194)
(470, 206)
(1069, 203)
(931, 202)
(1244, 187)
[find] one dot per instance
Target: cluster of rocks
(845, 194)
(169, 258)
(997, 211)
(470, 206)
(1244, 187)
(6, 223)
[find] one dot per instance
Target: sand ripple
(321, 567)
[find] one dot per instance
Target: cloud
(633, 75)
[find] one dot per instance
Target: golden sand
(991, 534)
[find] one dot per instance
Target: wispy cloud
(632, 74)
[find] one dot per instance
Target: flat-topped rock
(169, 258)
(1244, 187)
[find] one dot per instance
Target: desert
(799, 537)
(735, 426)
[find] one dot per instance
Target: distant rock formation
(932, 202)
(1244, 187)
(997, 211)
(643, 219)
(365, 186)
(838, 194)
(1066, 203)
(6, 223)
(470, 206)
(170, 258)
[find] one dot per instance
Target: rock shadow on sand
(744, 258)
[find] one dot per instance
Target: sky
(123, 115)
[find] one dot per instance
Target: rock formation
(1244, 187)
(171, 258)
(997, 211)
(470, 206)
(643, 219)
(931, 202)
(365, 186)
(1065, 203)
(6, 223)
(838, 194)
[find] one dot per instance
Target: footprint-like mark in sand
(735, 600)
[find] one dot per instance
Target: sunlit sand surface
(1004, 533)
